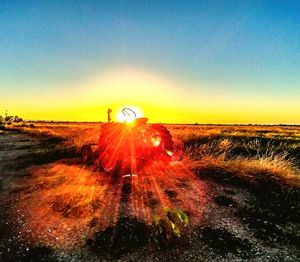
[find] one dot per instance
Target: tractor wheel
(109, 154)
(86, 153)
(167, 142)
(107, 167)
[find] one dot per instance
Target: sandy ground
(67, 211)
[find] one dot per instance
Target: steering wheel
(128, 112)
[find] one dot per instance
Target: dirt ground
(55, 208)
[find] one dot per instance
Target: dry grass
(276, 168)
(248, 152)
(272, 177)
(251, 153)
(188, 132)
(76, 133)
(269, 166)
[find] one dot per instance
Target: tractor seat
(141, 121)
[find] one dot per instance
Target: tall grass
(256, 163)
(273, 168)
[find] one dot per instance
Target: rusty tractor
(129, 146)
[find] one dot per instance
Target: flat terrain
(233, 195)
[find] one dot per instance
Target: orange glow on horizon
(161, 98)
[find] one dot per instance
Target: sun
(128, 114)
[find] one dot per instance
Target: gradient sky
(179, 61)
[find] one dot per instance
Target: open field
(233, 195)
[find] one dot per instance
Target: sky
(177, 61)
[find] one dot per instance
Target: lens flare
(155, 140)
(65, 203)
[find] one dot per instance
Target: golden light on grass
(65, 203)
(274, 168)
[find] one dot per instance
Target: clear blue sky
(242, 51)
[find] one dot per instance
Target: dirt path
(18, 151)
(13, 146)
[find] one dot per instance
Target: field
(233, 194)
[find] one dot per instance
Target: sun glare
(128, 114)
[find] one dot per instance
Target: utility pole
(6, 113)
